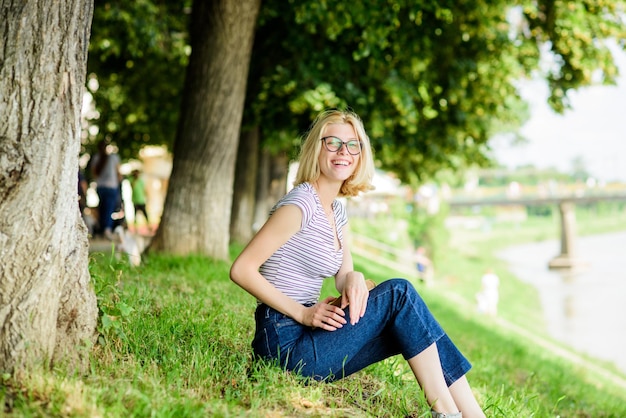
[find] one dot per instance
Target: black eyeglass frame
(342, 144)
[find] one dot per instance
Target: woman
(105, 168)
(304, 241)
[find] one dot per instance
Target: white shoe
(436, 414)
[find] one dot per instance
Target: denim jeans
(109, 197)
(397, 321)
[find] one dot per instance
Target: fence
(400, 261)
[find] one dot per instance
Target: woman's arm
(350, 283)
(278, 229)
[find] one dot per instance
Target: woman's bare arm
(278, 229)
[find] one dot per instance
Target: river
(584, 308)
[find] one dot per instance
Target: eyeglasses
(334, 144)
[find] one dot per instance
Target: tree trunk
(242, 214)
(48, 310)
(262, 204)
(271, 184)
(196, 214)
(279, 169)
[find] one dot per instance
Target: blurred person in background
(105, 167)
(138, 189)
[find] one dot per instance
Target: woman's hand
(323, 315)
(354, 295)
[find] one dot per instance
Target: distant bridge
(536, 200)
(567, 258)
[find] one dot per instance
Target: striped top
(299, 266)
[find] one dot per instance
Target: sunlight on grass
(178, 344)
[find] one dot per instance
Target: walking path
(135, 243)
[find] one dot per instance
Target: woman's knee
(398, 293)
(400, 285)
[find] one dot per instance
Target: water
(584, 308)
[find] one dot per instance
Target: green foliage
(137, 59)
(432, 80)
(575, 33)
(421, 75)
(113, 313)
(427, 230)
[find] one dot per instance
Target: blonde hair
(309, 169)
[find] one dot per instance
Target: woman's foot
(436, 414)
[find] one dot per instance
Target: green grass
(175, 342)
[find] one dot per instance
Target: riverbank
(471, 251)
(583, 307)
(527, 306)
(174, 340)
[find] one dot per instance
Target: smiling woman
(303, 242)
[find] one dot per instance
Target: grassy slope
(176, 343)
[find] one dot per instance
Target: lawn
(175, 342)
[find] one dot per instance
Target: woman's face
(339, 163)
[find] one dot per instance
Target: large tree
(48, 307)
(196, 215)
(244, 190)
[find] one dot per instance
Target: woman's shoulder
(301, 194)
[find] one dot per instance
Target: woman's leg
(397, 321)
(108, 200)
(436, 364)
(101, 208)
(465, 400)
(426, 367)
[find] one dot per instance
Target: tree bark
(279, 169)
(196, 213)
(271, 184)
(48, 310)
(262, 204)
(242, 215)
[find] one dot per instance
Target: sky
(594, 130)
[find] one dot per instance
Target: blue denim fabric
(108, 197)
(397, 321)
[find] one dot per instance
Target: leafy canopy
(432, 80)
(138, 53)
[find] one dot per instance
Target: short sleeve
(341, 214)
(302, 198)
